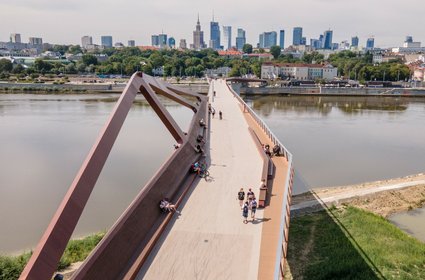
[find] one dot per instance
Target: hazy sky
(66, 21)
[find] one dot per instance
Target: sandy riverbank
(383, 197)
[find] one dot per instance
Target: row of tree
(173, 62)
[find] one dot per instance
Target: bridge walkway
(209, 240)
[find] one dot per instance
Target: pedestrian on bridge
(220, 114)
(245, 212)
(241, 197)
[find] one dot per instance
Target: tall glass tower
(215, 35)
(297, 36)
(227, 37)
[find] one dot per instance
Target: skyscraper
(162, 40)
(36, 41)
(15, 38)
(155, 40)
(240, 39)
(227, 37)
(214, 35)
(355, 42)
(268, 39)
(370, 43)
(171, 42)
(85, 41)
(198, 37)
(282, 39)
(297, 36)
(328, 39)
(106, 41)
(409, 39)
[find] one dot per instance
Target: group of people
(211, 110)
(249, 204)
(276, 150)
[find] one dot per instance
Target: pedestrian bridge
(207, 239)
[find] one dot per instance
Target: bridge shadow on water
(321, 247)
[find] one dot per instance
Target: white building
(86, 41)
(298, 71)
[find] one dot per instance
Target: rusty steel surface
(46, 256)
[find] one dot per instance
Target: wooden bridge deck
(209, 240)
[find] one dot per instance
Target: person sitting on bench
(267, 150)
(165, 206)
(276, 150)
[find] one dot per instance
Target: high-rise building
(15, 38)
(162, 39)
(328, 40)
(409, 39)
(268, 39)
(183, 44)
(303, 41)
(198, 37)
(35, 41)
(227, 37)
(370, 43)
(171, 42)
(214, 35)
(131, 43)
(282, 39)
(85, 41)
(155, 40)
(315, 43)
(106, 41)
(297, 36)
(240, 39)
(355, 42)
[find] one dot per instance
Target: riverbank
(76, 251)
(351, 243)
(342, 232)
(384, 197)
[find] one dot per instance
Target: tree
(275, 51)
(247, 48)
(89, 59)
(5, 65)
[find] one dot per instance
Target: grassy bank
(350, 243)
(76, 250)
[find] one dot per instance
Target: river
(45, 138)
(43, 141)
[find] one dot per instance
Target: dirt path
(381, 197)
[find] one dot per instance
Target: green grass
(76, 250)
(349, 243)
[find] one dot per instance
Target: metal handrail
(284, 220)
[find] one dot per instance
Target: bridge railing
(282, 249)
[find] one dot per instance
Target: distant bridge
(207, 240)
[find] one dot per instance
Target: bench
(267, 171)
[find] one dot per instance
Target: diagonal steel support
(46, 256)
(163, 114)
(43, 262)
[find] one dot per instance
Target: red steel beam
(45, 258)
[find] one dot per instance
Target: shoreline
(383, 197)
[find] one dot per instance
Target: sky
(66, 21)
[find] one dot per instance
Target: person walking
(241, 197)
(245, 212)
(220, 114)
(253, 208)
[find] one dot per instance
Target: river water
(348, 140)
(44, 140)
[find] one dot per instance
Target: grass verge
(76, 250)
(350, 243)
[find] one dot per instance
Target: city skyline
(346, 19)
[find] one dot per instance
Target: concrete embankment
(86, 87)
(329, 91)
